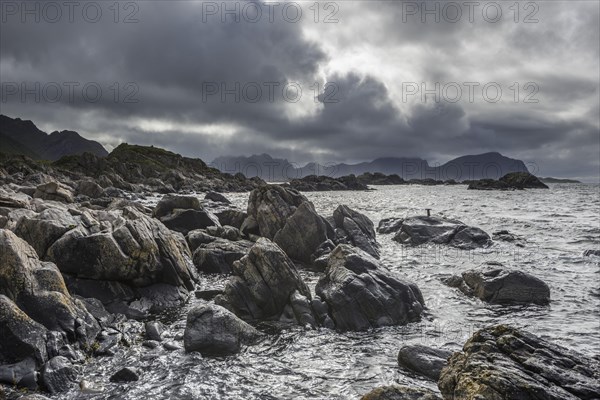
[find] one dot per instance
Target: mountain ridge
(490, 165)
(24, 137)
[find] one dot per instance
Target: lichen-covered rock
(503, 362)
(131, 248)
(22, 337)
(39, 290)
(416, 231)
(271, 206)
(357, 229)
(263, 283)
(397, 392)
(361, 293)
(214, 330)
(493, 283)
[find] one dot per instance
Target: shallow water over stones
(557, 225)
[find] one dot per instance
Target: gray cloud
(175, 59)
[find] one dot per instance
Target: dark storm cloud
(176, 61)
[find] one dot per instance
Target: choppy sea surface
(557, 226)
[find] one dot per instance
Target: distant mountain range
(19, 136)
(488, 165)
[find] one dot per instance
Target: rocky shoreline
(86, 268)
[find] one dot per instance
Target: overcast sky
(522, 80)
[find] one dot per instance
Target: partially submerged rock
(390, 225)
(503, 361)
(510, 181)
(263, 283)
(416, 231)
(493, 283)
(423, 360)
(361, 293)
(356, 229)
(214, 330)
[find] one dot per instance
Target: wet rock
(503, 360)
(264, 281)
(171, 346)
(58, 375)
(154, 330)
(506, 236)
(493, 283)
(39, 290)
(361, 293)
(589, 253)
(357, 228)
(423, 360)
(219, 255)
(151, 344)
(416, 231)
(389, 225)
(54, 191)
(214, 330)
(397, 392)
(127, 374)
(168, 203)
(33, 397)
(217, 197)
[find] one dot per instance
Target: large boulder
(265, 282)
(390, 225)
(270, 206)
(214, 330)
(39, 290)
(219, 255)
(289, 219)
(493, 283)
(423, 360)
(361, 293)
(302, 233)
(58, 374)
(416, 231)
(503, 362)
(131, 248)
(109, 253)
(23, 344)
(356, 229)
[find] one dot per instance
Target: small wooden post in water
(428, 212)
